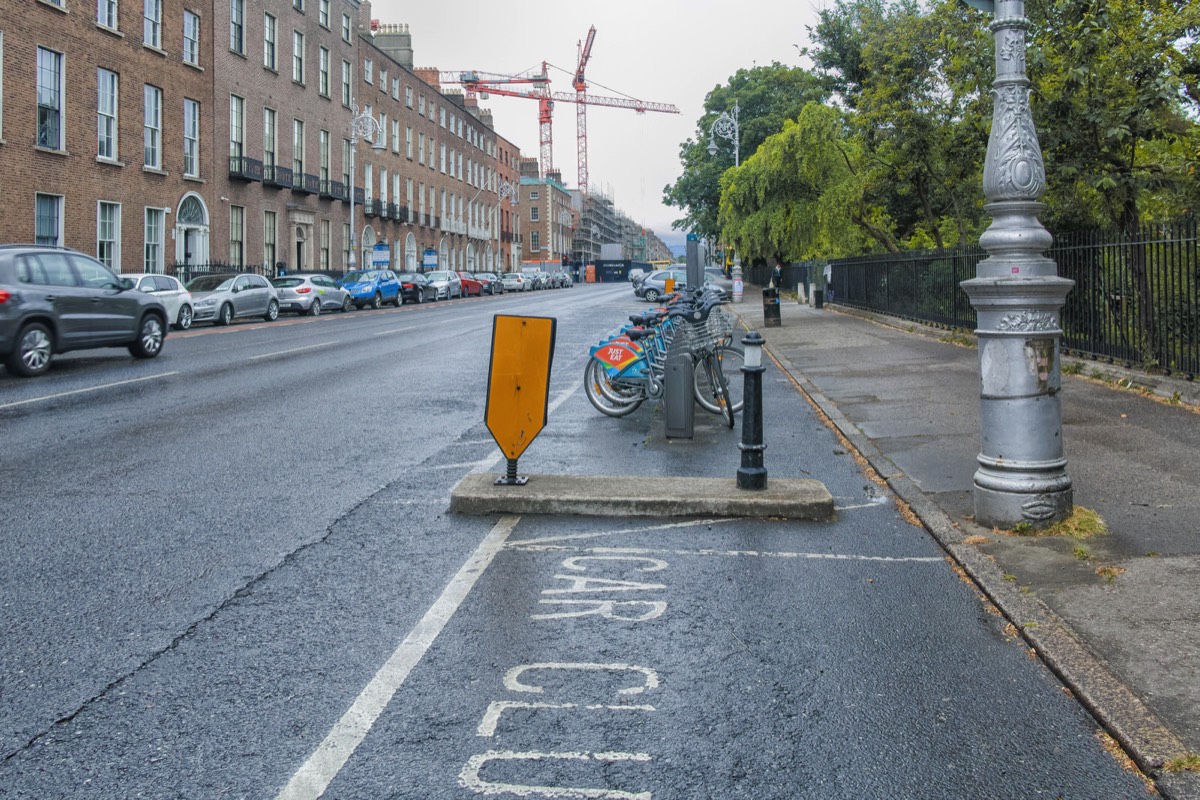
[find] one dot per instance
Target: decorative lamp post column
(1018, 296)
(362, 126)
(726, 127)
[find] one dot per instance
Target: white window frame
(270, 238)
(55, 93)
(347, 29)
(346, 96)
(153, 253)
(323, 149)
(323, 71)
(408, 142)
(237, 126)
(298, 57)
(237, 236)
(298, 136)
(270, 138)
(108, 234)
(323, 14)
(270, 42)
(55, 202)
(152, 119)
(191, 137)
(191, 38)
(108, 104)
(369, 71)
(237, 26)
(106, 14)
(152, 14)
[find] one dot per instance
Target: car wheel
(149, 340)
(650, 295)
(419, 296)
(377, 301)
(272, 311)
(184, 321)
(35, 347)
(226, 315)
(346, 304)
(399, 301)
(315, 309)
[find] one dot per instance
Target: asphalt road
(229, 573)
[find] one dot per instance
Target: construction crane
(481, 84)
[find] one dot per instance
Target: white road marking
(728, 553)
(595, 534)
(484, 463)
(877, 502)
(491, 717)
(85, 391)
(293, 350)
(311, 780)
(396, 330)
(469, 777)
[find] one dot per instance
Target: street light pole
(726, 127)
(1018, 296)
(361, 126)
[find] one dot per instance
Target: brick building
(547, 216)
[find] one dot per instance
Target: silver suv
(53, 299)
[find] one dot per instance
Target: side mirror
(125, 283)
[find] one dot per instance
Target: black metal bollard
(752, 474)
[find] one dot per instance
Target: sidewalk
(1128, 645)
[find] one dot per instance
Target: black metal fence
(185, 272)
(1136, 300)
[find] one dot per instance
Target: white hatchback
(168, 291)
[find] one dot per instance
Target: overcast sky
(664, 51)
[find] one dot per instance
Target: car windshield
(210, 283)
(408, 276)
(286, 283)
(438, 276)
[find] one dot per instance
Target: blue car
(372, 287)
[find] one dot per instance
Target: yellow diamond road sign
(519, 380)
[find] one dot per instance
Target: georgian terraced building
(164, 135)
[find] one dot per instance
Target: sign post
(518, 385)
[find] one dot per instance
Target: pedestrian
(777, 276)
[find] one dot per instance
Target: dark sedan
(414, 288)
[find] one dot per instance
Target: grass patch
(1082, 524)
(1109, 572)
(1072, 368)
(1187, 763)
(1081, 553)
(958, 339)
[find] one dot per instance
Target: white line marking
(484, 463)
(469, 777)
(596, 534)
(89, 389)
(861, 505)
(311, 780)
(293, 350)
(535, 546)
(396, 330)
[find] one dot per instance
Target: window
(345, 27)
(269, 60)
(442, 114)
(237, 26)
(408, 96)
(368, 71)
(298, 150)
(535, 241)
(421, 105)
(346, 243)
(49, 99)
(191, 138)
(191, 38)
(269, 137)
(395, 88)
(298, 5)
(106, 114)
(533, 213)
(383, 80)
(237, 121)
(323, 13)
(106, 14)
(443, 160)
(420, 148)
(408, 142)
(269, 238)
(152, 260)
(326, 235)
(323, 72)
(345, 82)
(346, 163)
(408, 194)
(323, 154)
(533, 195)
(298, 56)
(152, 126)
(395, 136)
(152, 23)
(108, 235)
(237, 234)
(48, 221)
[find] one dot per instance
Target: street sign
(429, 260)
(519, 384)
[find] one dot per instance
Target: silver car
(311, 293)
(170, 292)
(222, 298)
(444, 284)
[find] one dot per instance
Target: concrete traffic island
(787, 498)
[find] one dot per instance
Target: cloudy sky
(665, 51)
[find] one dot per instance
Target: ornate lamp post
(1018, 296)
(362, 126)
(726, 127)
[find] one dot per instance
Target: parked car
(444, 284)
(515, 282)
(717, 275)
(170, 292)
(491, 282)
(653, 286)
(372, 287)
(221, 298)
(471, 285)
(562, 279)
(414, 288)
(311, 293)
(53, 300)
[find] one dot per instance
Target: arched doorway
(410, 253)
(191, 231)
(444, 255)
(470, 258)
(367, 245)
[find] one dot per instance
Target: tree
(766, 97)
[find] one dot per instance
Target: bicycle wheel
(720, 386)
(730, 359)
(594, 378)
